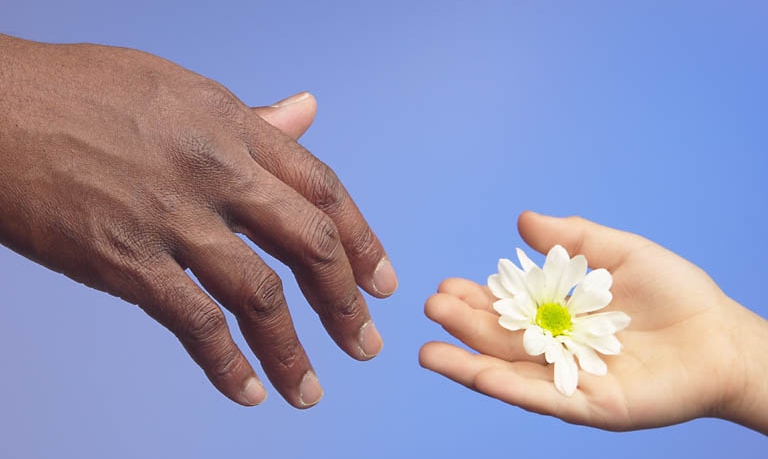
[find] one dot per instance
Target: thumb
(293, 115)
(604, 247)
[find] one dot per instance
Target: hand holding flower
(689, 351)
(555, 323)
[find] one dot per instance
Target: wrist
(745, 397)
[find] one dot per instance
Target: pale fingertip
(434, 355)
(369, 341)
(291, 100)
(527, 214)
(384, 278)
(310, 392)
(434, 307)
(253, 392)
(426, 354)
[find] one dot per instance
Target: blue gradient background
(445, 119)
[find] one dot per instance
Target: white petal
(505, 306)
(598, 279)
(608, 345)
(554, 351)
(512, 308)
(587, 300)
(525, 304)
(535, 341)
(563, 274)
(620, 319)
(525, 262)
(566, 374)
(574, 274)
(556, 262)
(497, 288)
(536, 281)
(512, 278)
(558, 252)
(554, 266)
(513, 325)
(589, 361)
(602, 324)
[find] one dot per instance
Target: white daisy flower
(558, 325)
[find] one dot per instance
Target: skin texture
(689, 352)
(128, 173)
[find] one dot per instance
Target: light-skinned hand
(689, 352)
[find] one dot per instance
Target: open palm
(679, 359)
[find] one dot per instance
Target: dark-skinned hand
(122, 170)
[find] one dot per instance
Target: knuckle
(220, 101)
(265, 300)
(198, 150)
(577, 221)
(326, 191)
(202, 326)
(199, 154)
(196, 153)
(580, 236)
(288, 353)
(323, 241)
(226, 366)
(132, 246)
(201, 145)
(350, 309)
(131, 264)
(364, 243)
(197, 144)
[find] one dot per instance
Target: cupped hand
(685, 353)
(122, 170)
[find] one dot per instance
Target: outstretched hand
(689, 352)
(122, 170)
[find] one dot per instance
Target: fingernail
(384, 278)
(291, 100)
(253, 392)
(369, 340)
(310, 391)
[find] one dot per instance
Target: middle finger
(245, 285)
(287, 226)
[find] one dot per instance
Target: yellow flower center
(554, 317)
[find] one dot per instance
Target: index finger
(294, 165)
